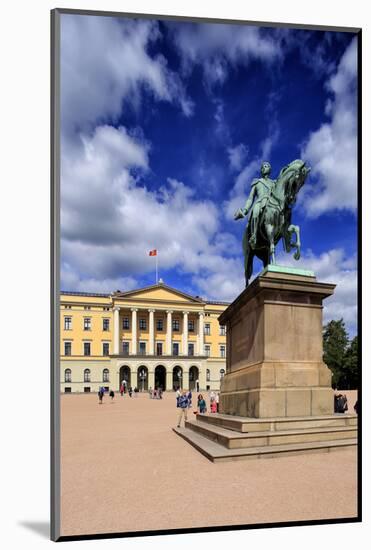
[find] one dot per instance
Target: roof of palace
(119, 294)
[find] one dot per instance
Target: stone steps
(218, 453)
(245, 425)
(232, 439)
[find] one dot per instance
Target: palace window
(87, 307)
(222, 330)
(222, 351)
(159, 348)
(142, 348)
(207, 375)
(68, 348)
(105, 375)
(222, 373)
(125, 348)
(87, 375)
(143, 324)
(67, 375)
(67, 323)
(87, 323)
(125, 323)
(191, 349)
(105, 324)
(176, 325)
(106, 309)
(86, 390)
(207, 329)
(67, 389)
(105, 348)
(191, 325)
(160, 324)
(67, 307)
(86, 348)
(175, 348)
(207, 350)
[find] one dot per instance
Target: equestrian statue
(269, 207)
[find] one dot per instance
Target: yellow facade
(151, 337)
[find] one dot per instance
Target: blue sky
(164, 126)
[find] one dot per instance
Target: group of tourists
(155, 393)
(123, 390)
(184, 403)
(101, 393)
(130, 391)
(340, 403)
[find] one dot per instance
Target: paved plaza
(124, 469)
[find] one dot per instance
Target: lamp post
(180, 378)
(142, 376)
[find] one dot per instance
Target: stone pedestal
(274, 348)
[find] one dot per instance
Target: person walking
(189, 395)
(122, 389)
(201, 404)
(130, 391)
(217, 402)
(100, 395)
(213, 408)
(150, 392)
(183, 408)
(177, 395)
(112, 395)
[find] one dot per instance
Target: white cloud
(110, 220)
(332, 149)
(237, 156)
(217, 48)
(71, 281)
(105, 61)
(225, 285)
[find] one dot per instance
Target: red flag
(153, 252)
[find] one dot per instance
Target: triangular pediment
(159, 292)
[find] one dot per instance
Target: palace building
(155, 336)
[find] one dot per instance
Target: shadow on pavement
(42, 528)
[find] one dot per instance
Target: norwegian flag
(153, 252)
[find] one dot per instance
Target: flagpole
(156, 268)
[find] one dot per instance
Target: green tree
(335, 344)
(351, 364)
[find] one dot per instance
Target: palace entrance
(177, 377)
(193, 376)
(143, 378)
(160, 377)
(125, 375)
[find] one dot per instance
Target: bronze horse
(275, 219)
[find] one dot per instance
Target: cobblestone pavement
(124, 469)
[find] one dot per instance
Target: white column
(116, 330)
(169, 333)
(201, 350)
(134, 331)
(151, 332)
(185, 332)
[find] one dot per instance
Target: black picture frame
(55, 276)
